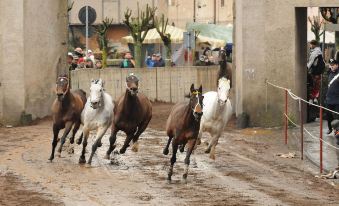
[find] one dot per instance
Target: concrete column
(12, 63)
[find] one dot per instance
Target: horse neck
(189, 117)
(67, 100)
(129, 103)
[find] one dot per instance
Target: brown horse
(132, 113)
(66, 111)
(224, 67)
(183, 126)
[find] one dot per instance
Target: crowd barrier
(287, 119)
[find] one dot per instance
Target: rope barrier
(295, 97)
(308, 132)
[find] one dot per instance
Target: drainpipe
(194, 10)
(215, 12)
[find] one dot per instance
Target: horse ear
(92, 81)
(192, 88)
(102, 83)
(200, 88)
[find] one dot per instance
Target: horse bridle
(193, 107)
(61, 78)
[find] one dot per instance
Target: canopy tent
(153, 37)
(213, 31)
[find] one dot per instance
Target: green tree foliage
(316, 26)
(102, 30)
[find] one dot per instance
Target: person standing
(332, 95)
(316, 67)
(128, 61)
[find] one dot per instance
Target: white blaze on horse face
(95, 94)
(223, 90)
(198, 108)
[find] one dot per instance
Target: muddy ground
(245, 172)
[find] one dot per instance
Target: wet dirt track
(246, 172)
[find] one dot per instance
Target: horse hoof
(166, 151)
(82, 160)
(208, 150)
(107, 157)
(184, 178)
(122, 151)
(51, 159)
(79, 141)
(58, 154)
(99, 144)
(182, 148)
(135, 147)
(212, 156)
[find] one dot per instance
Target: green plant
(316, 26)
(139, 27)
(102, 30)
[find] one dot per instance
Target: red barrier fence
(301, 126)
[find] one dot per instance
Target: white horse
(216, 113)
(97, 115)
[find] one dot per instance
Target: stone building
(271, 44)
(32, 53)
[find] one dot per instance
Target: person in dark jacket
(332, 95)
(159, 61)
(128, 61)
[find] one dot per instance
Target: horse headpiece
(132, 84)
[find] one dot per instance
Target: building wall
(32, 53)
(270, 44)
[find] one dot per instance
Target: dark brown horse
(183, 126)
(66, 111)
(132, 113)
(225, 68)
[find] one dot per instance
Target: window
(222, 3)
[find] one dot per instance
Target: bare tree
(316, 26)
(139, 27)
(161, 27)
(102, 30)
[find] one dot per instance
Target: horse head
(223, 90)
(62, 87)
(96, 93)
(132, 84)
(196, 99)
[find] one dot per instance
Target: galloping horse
(132, 113)
(97, 115)
(217, 112)
(224, 67)
(183, 127)
(66, 112)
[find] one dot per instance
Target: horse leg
(191, 144)
(141, 129)
(173, 160)
(166, 151)
(68, 127)
(56, 130)
(126, 143)
(112, 140)
(75, 129)
(79, 140)
(100, 133)
(213, 144)
(85, 133)
(182, 147)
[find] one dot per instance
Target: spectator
(98, 64)
(89, 63)
(159, 61)
(91, 55)
(128, 61)
(150, 61)
(79, 53)
(332, 95)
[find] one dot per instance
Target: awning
(153, 37)
(213, 31)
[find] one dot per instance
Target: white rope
(295, 97)
(314, 137)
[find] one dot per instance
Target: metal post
(86, 29)
(286, 120)
(301, 128)
(321, 138)
(215, 12)
(194, 10)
